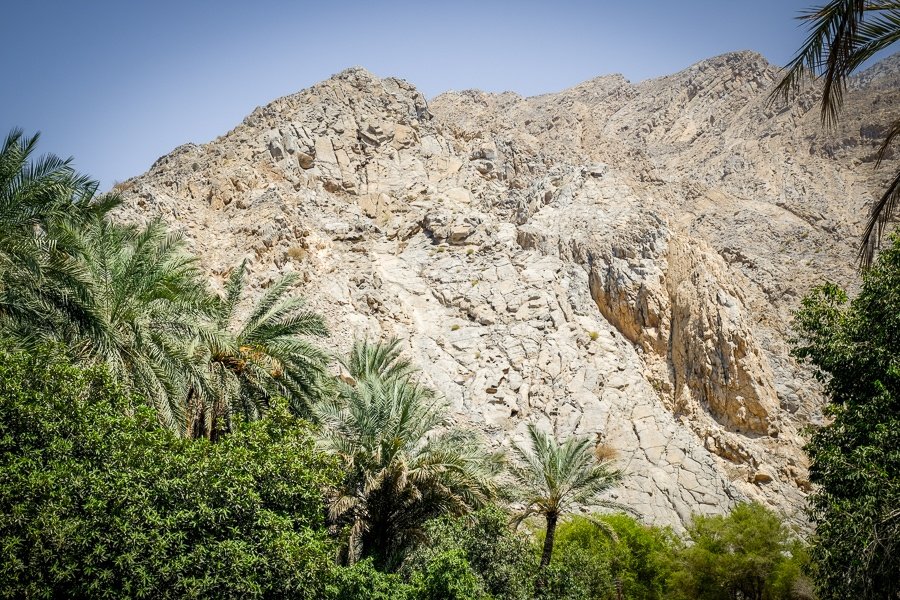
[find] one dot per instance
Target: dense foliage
(134, 300)
(263, 355)
(614, 554)
(98, 501)
(43, 203)
(855, 347)
(746, 554)
(504, 562)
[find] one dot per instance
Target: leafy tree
(449, 577)
(260, 357)
(150, 302)
(616, 554)
(555, 478)
(843, 35)
(41, 202)
(362, 581)
(854, 346)
(748, 554)
(99, 501)
(502, 560)
(405, 461)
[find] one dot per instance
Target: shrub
(449, 577)
(610, 551)
(746, 554)
(503, 562)
(98, 501)
(362, 581)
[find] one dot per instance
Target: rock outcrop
(615, 260)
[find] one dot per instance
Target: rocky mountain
(615, 260)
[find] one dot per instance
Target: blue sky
(119, 83)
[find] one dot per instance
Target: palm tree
(263, 355)
(42, 201)
(382, 360)
(555, 478)
(405, 462)
(844, 34)
(149, 302)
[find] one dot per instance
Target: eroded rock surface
(615, 260)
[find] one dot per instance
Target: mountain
(615, 260)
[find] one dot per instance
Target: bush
(449, 577)
(98, 501)
(610, 551)
(747, 554)
(503, 562)
(362, 581)
(855, 459)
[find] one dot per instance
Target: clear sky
(118, 83)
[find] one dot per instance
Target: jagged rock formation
(616, 260)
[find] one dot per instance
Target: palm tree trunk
(547, 554)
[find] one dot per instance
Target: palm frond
(829, 52)
(880, 215)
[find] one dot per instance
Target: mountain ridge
(615, 260)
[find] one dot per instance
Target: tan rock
(623, 259)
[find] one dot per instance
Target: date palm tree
(42, 201)
(844, 34)
(149, 302)
(405, 461)
(553, 479)
(250, 360)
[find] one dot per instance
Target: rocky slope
(615, 260)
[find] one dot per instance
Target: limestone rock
(615, 260)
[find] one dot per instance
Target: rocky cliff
(616, 260)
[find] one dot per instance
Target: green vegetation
(404, 463)
(554, 478)
(133, 300)
(43, 204)
(99, 501)
(854, 345)
(748, 554)
(263, 356)
(146, 299)
(613, 554)
(502, 561)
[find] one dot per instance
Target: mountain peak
(616, 261)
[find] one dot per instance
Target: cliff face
(615, 260)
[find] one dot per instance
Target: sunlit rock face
(616, 260)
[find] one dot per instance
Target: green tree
(150, 303)
(42, 203)
(362, 581)
(615, 554)
(854, 346)
(405, 461)
(254, 359)
(555, 478)
(99, 501)
(449, 577)
(502, 560)
(748, 554)
(843, 35)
